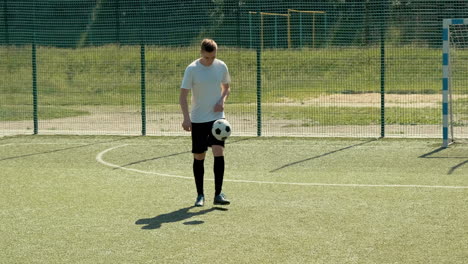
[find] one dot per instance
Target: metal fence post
(5, 21)
(143, 70)
(34, 74)
(259, 74)
(382, 68)
(143, 89)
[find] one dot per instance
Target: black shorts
(202, 138)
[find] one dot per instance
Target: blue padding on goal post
(445, 84)
(458, 22)
(445, 108)
(445, 34)
(445, 59)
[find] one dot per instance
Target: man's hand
(219, 107)
(187, 125)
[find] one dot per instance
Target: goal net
(455, 81)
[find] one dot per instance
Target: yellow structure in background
(261, 23)
(288, 16)
(313, 23)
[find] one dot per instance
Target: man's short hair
(209, 45)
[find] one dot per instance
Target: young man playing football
(208, 78)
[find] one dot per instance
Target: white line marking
(8, 144)
(102, 161)
(99, 158)
(44, 143)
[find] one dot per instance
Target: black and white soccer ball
(221, 129)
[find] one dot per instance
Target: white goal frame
(447, 129)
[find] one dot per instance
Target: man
(208, 78)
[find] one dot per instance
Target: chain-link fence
(299, 68)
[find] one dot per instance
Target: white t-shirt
(205, 83)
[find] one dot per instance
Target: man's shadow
(176, 216)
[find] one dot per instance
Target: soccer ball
(221, 129)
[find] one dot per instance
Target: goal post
(301, 29)
(454, 65)
(281, 24)
(262, 26)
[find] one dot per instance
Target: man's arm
(187, 123)
(226, 90)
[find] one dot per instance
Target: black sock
(198, 173)
(218, 169)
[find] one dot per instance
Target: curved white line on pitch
(102, 161)
(99, 158)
